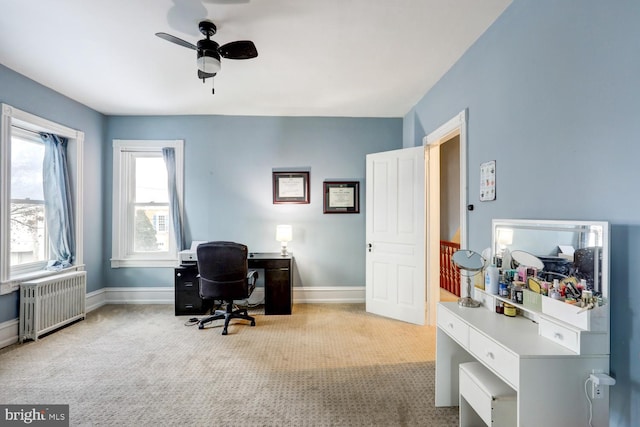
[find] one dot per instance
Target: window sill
(142, 263)
(14, 282)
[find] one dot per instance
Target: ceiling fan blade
(202, 75)
(241, 49)
(176, 40)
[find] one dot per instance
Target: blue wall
(552, 92)
(228, 187)
(24, 94)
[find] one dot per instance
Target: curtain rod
(26, 130)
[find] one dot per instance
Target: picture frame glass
(290, 187)
(341, 197)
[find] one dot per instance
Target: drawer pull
(558, 335)
(450, 325)
(490, 355)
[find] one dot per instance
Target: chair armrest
(252, 277)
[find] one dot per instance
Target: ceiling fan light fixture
(209, 62)
(208, 56)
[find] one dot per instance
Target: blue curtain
(169, 156)
(57, 201)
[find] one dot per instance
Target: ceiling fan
(209, 52)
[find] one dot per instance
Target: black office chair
(224, 276)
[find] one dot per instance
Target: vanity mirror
(565, 248)
(471, 263)
(527, 260)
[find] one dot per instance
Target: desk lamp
(284, 234)
(471, 262)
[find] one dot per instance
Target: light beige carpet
(325, 365)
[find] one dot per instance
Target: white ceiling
(354, 58)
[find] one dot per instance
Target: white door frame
(455, 126)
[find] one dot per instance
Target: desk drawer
(494, 356)
(187, 292)
(455, 327)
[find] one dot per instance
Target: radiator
(51, 302)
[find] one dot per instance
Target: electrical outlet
(596, 391)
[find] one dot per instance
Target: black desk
(278, 280)
(278, 285)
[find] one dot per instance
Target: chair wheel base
(227, 315)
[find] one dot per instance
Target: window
(29, 245)
(24, 239)
(143, 232)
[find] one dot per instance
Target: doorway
(449, 217)
(446, 195)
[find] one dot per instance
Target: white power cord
(586, 393)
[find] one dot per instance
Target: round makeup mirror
(526, 259)
(470, 262)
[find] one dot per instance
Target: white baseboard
(329, 294)
(150, 295)
(95, 300)
(165, 295)
(9, 331)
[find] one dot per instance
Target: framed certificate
(290, 187)
(341, 197)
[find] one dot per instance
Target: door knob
(370, 246)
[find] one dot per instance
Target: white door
(395, 259)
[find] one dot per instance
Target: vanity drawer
(575, 339)
(455, 327)
(495, 356)
(559, 334)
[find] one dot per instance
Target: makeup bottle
(555, 291)
(491, 279)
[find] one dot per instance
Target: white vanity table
(544, 358)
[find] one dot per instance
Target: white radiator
(51, 302)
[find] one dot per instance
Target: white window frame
(122, 256)
(12, 116)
